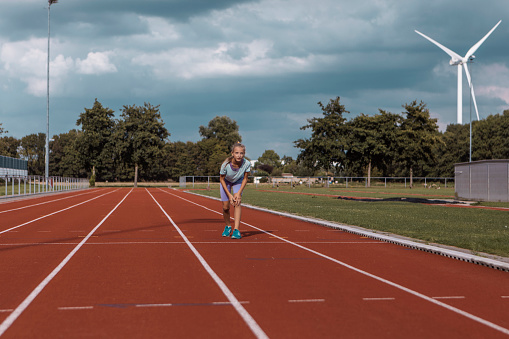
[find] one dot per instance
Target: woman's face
(238, 153)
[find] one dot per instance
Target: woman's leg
(237, 213)
(226, 212)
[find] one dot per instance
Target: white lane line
(4, 326)
(48, 215)
(248, 319)
(378, 299)
(42, 203)
(6, 311)
(76, 308)
(385, 281)
(505, 297)
(306, 301)
(450, 297)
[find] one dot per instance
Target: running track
(150, 263)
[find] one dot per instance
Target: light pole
(471, 61)
(46, 169)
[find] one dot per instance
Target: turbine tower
(457, 60)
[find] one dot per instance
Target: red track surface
(136, 277)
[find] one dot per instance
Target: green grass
(477, 230)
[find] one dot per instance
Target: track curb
(484, 259)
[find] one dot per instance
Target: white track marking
(450, 297)
(385, 281)
(76, 308)
(307, 301)
(4, 326)
(248, 319)
(47, 215)
(6, 311)
(505, 297)
(42, 203)
(378, 299)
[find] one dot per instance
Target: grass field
(478, 230)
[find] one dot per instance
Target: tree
(141, 137)
(180, 158)
(32, 148)
(454, 148)
(222, 129)
(327, 146)
(270, 158)
(215, 146)
(490, 137)
(64, 158)
(418, 137)
(9, 146)
(371, 142)
(95, 142)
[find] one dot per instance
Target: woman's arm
(237, 197)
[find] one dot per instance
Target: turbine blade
(480, 42)
(445, 49)
(471, 89)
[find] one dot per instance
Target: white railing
(427, 182)
(19, 185)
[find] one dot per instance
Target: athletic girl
(233, 177)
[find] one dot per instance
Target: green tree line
(136, 146)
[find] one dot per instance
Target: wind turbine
(457, 60)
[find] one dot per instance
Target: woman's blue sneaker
(236, 234)
(227, 230)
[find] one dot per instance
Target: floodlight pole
(46, 167)
(471, 61)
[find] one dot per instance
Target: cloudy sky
(263, 63)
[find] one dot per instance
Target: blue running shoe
(236, 234)
(227, 230)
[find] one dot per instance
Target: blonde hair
(235, 145)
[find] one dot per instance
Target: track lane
(424, 275)
(138, 269)
(13, 218)
(23, 202)
(31, 253)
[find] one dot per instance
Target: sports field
(151, 263)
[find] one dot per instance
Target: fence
(12, 166)
(426, 182)
(17, 185)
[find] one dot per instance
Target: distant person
(234, 173)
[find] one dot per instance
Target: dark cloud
(265, 64)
